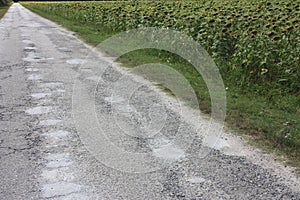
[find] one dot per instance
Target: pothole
(34, 77)
(30, 49)
(196, 180)
(51, 85)
(49, 122)
(39, 110)
(58, 160)
(57, 134)
(40, 95)
(75, 61)
(169, 152)
(63, 49)
(31, 70)
(60, 189)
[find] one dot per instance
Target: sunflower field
(256, 44)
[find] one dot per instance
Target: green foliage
(3, 7)
(255, 44)
(3, 2)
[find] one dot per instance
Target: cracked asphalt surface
(43, 154)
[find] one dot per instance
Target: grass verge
(271, 122)
(3, 10)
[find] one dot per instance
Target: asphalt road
(52, 95)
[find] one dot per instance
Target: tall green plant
(3, 2)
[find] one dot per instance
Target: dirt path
(51, 98)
